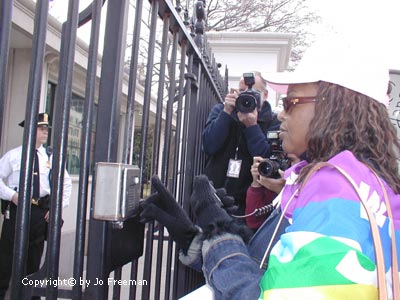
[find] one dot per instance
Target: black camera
(248, 100)
(277, 160)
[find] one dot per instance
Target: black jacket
(224, 133)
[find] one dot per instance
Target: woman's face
(296, 121)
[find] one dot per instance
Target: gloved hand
(163, 207)
(209, 214)
(228, 202)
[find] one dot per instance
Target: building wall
(251, 51)
(17, 93)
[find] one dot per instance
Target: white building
(251, 51)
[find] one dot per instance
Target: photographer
(262, 191)
(231, 138)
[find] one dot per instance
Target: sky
(375, 23)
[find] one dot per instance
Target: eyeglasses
(288, 102)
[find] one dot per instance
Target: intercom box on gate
(116, 191)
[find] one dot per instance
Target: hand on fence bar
(163, 208)
(209, 214)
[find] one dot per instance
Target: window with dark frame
(74, 128)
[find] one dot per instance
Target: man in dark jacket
(232, 138)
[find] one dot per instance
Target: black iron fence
(181, 77)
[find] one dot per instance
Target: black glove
(209, 214)
(162, 207)
(228, 202)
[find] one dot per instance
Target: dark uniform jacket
(224, 137)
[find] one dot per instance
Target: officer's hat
(43, 119)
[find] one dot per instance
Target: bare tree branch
(291, 16)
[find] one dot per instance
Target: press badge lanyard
(234, 164)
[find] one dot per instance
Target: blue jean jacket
(329, 234)
(229, 250)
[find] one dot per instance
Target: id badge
(234, 168)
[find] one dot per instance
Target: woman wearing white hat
(336, 232)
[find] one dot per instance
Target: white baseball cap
(358, 67)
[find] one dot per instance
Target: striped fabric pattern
(327, 251)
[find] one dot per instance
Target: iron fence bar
(167, 290)
(117, 287)
(205, 93)
(197, 150)
(5, 29)
(168, 139)
(148, 84)
(179, 118)
(191, 97)
(176, 21)
(133, 275)
(143, 143)
(128, 150)
(107, 126)
(87, 14)
(156, 145)
(194, 279)
(176, 166)
(86, 141)
(204, 111)
(187, 170)
(171, 95)
(62, 109)
(202, 91)
(205, 108)
(160, 100)
(160, 242)
(179, 268)
(28, 148)
(130, 104)
(190, 171)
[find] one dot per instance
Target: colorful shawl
(327, 251)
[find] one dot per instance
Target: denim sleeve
(216, 130)
(229, 270)
(193, 258)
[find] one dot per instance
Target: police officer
(10, 166)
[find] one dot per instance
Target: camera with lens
(248, 100)
(277, 160)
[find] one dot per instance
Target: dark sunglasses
(288, 102)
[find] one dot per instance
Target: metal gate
(187, 83)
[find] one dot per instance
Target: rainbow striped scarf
(327, 251)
